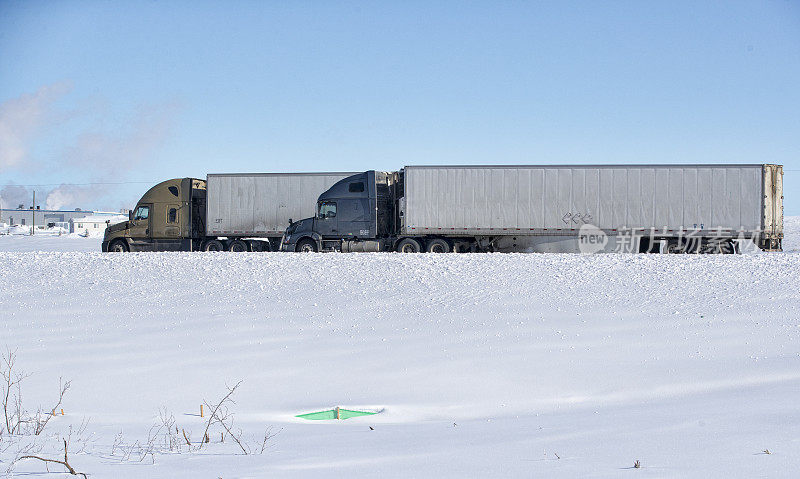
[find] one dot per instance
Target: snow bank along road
(505, 365)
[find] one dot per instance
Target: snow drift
(518, 365)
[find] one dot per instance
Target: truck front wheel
(306, 246)
(118, 246)
(408, 245)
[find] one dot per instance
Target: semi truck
(224, 212)
(548, 208)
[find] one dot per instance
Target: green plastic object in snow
(335, 413)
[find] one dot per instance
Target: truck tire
(723, 247)
(213, 245)
(408, 245)
(118, 246)
(438, 245)
(258, 246)
(274, 244)
(306, 246)
(673, 247)
(692, 245)
(237, 246)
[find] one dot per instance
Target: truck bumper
(104, 246)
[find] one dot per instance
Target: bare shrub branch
(235, 437)
(42, 418)
(16, 418)
(64, 463)
(268, 434)
(219, 415)
(27, 449)
(11, 381)
(118, 442)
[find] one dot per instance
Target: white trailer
(261, 204)
(549, 208)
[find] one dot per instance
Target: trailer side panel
(260, 205)
(519, 200)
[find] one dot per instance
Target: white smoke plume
(23, 118)
(11, 196)
(70, 196)
(106, 155)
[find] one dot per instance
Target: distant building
(44, 218)
(94, 224)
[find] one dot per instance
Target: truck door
(173, 222)
(327, 222)
(355, 219)
(140, 230)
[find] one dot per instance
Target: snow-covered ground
(791, 227)
(18, 239)
(482, 365)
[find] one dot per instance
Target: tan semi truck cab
(169, 217)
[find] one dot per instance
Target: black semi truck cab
(357, 213)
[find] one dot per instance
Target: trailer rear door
(773, 199)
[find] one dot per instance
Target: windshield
(142, 213)
(327, 209)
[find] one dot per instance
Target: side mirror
(290, 222)
(130, 215)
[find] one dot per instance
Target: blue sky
(138, 92)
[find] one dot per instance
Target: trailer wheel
(673, 247)
(118, 246)
(258, 246)
(723, 247)
(306, 246)
(213, 245)
(237, 246)
(692, 245)
(438, 245)
(408, 245)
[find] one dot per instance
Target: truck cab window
(327, 209)
(357, 187)
(172, 215)
(142, 213)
